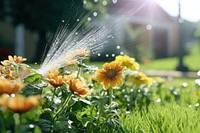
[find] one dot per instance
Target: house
(140, 27)
(158, 31)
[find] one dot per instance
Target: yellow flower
(110, 75)
(55, 79)
(140, 79)
(159, 80)
(10, 87)
(19, 103)
(15, 59)
(78, 87)
(128, 62)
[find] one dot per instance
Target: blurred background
(148, 30)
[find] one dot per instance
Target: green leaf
(31, 90)
(37, 130)
(46, 115)
(45, 125)
(64, 127)
(35, 78)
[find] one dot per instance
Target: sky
(190, 9)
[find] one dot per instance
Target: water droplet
(197, 104)
(118, 47)
(57, 101)
(12, 95)
(121, 53)
(98, 54)
(91, 85)
(184, 84)
(113, 55)
(31, 126)
(35, 63)
(107, 55)
(69, 126)
(77, 20)
(84, 2)
(158, 100)
(104, 3)
(149, 27)
(63, 21)
(70, 122)
(76, 33)
(95, 0)
(175, 92)
(114, 1)
(89, 19)
(95, 14)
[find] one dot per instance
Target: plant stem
(110, 96)
(54, 91)
(17, 119)
(79, 70)
(101, 107)
(65, 104)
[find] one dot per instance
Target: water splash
(67, 46)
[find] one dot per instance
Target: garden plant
(79, 98)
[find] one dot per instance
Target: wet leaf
(35, 78)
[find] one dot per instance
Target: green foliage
(35, 78)
(162, 118)
(155, 105)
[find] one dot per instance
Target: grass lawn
(191, 60)
(167, 118)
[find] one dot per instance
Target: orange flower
(78, 87)
(10, 87)
(110, 75)
(9, 73)
(19, 103)
(15, 59)
(55, 79)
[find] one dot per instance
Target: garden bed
(115, 98)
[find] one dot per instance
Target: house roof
(145, 9)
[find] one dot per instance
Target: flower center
(110, 74)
